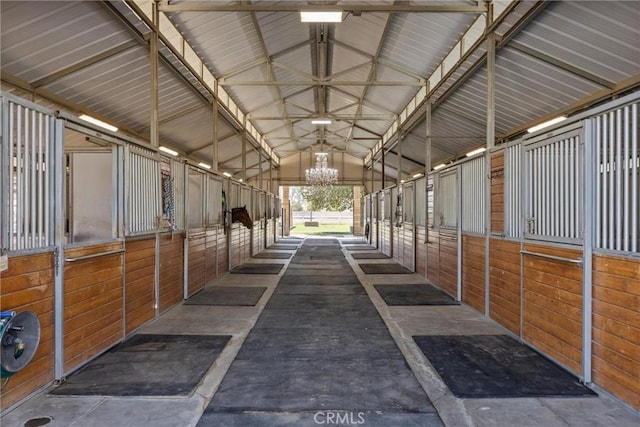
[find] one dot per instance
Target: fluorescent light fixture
(97, 122)
(204, 165)
(322, 154)
(321, 16)
(546, 124)
(227, 174)
(168, 150)
(417, 175)
(440, 166)
(402, 181)
(321, 122)
(477, 151)
(240, 180)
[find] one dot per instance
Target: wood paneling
(421, 251)
(385, 237)
(197, 263)
(223, 255)
(93, 303)
(171, 270)
(140, 271)
(211, 251)
(433, 257)
(448, 262)
(504, 283)
(407, 245)
(473, 274)
(28, 285)
(552, 305)
(616, 326)
(497, 192)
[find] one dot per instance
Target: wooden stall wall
(421, 250)
(223, 254)
(28, 285)
(258, 236)
(385, 237)
(240, 244)
(211, 250)
(448, 262)
(93, 303)
(552, 304)
(140, 272)
(171, 270)
(504, 283)
(473, 271)
(616, 326)
(270, 232)
(197, 263)
(433, 256)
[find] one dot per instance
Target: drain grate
(37, 422)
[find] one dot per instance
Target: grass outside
(321, 230)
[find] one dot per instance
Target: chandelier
(322, 174)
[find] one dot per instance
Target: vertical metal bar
(612, 167)
(555, 214)
(33, 166)
(244, 156)
(154, 43)
(19, 214)
(589, 176)
(562, 182)
(215, 122)
(604, 226)
(597, 141)
(26, 155)
(619, 168)
(634, 178)
(58, 173)
(12, 165)
(40, 169)
(543, 182)
(626, 233)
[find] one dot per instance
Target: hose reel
(19, 339)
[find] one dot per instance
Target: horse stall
(420, 215)
(374, 228)
(386, 223)
(559, 268)
(240, 234)
(258, 231)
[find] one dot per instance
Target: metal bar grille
(512, 173)
(144, 190)
(214, 201)
(554, 188)
(473, 178)
(29, 154)
(617, 169)
(421, 201)
(177, 176)
(407, 202)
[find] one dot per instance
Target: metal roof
(94, 57)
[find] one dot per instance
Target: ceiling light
(546, 124)
(402, 181)
(322, 154)
(440, 166)
(322, 174)
(204, 165)
(477, 151)
(97, 122)
(227, 174)
(321, 122)
(321, 16)
(417, 175)
(240, 180)
(168, 150)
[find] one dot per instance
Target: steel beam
(352, 8)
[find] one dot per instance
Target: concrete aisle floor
(402, 322)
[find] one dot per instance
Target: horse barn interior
(148, 271)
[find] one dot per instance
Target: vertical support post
(216, 124)
(382, 160)
(399, 159)
(491, 132)
(270, 176)
(357, 211)
(260, 178)
(155, 100)
(244, 156)
(427, 171)
(59, 222)
(590, 175)
(285, 207)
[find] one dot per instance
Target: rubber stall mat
(283, 247)
(419, 294)
(227, 295)
(354, 242)
(342, 418)
(360, 248)
(384, 269)
(367, 255)
(273, 255)
(147, 365)
(484, 366)
(258, 269)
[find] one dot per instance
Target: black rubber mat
(354, 242)
(273, 255)
(147, 365)
(418, 294)
(283, 247)
(227, 295)
(258, 268)
(387, 268)
(311, 351)
(482, 366)
(360, 248)
(336, 418)
(369, 255)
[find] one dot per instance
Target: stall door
(447, 200)
(386, 223)
(406, 241)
